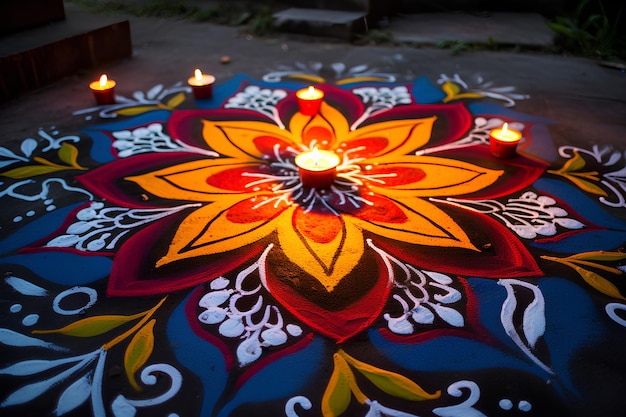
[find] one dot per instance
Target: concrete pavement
(571, 90)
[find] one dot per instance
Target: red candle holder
(503, 141)
(317, 169)
(103, 90)
(201, 85)
(309, 100)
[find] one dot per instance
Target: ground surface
(167, 236)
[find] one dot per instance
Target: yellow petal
(443, 177)
(328, 262)
(236, 138)
(426, 224)
(403, 136)
(328, 118)
(209, 230)
(187, 181)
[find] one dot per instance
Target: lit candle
(503, 142)
(317, 168)
(201, 84)
(103, 90)
(310, 100)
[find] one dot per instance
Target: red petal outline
(519, 172)
(507, 257)
(186, 126)
(106, 181)
(133, 275)
(339, 325)
(453, 122)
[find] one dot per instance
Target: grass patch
(589, 31)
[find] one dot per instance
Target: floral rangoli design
(168, 257)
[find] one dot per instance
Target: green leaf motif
(92, 326)
(337, 394)
(133, 111)
(176, 100)
(595, 280)
(69, 154)
(574, 164)
(600, 256)
(138, 351)
(31, 171)
(392, 383)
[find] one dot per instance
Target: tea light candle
(201, 84)
(317, 168)
(103, 90)
(309, 100)
(503, 142)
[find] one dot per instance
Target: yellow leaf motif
(176, 100)
(594, 280)
(69, 154)
(92, 326)
(453, 92)
(337, 394)
(582, 180)
(575, 163)
(390, 382)
(31, 171)
(133, 111)
(600, 256)
(138, 351)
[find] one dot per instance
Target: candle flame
(311, 90)
(198, 74)
(103, 80)
(505, 128)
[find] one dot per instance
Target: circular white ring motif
(90, 292)
(610, 311)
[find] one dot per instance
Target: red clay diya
(318, 168)
(201, 85)
(309, 100)
(103, 90)
(503, 141)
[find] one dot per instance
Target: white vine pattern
(290, 405)
(466, 408)
(124, 407)
(262, 100)
(379, 100)
(533, 320)
(418, 305)
(220, 308)
(479, 135)
(152, 97)
(486, 88)
(99, 227)
(151, 139)
(28, 146)
(340, 71)
(611, 308)
(528, 216)
(614, 180)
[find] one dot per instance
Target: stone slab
(36, 57)
(324, 22)
(528, 29)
